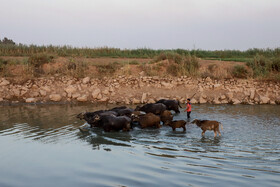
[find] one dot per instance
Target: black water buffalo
(177, 124)
(124, 112)
(147, 120)
(155, 108)
(118, 108)
(89, 117)
(138, 113)
(208, 125)
(166, 116)
(113, 123)
(171, 104)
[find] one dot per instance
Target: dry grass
(240, 72)
(99, 67)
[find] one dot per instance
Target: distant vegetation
(261, 63)
(9, 48)
(6, 42)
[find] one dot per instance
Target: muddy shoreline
(137, 90)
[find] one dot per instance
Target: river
(41, 145)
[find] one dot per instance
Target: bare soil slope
(105, 66)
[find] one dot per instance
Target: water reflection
(247, 153)
(211, 141)
(97, 137)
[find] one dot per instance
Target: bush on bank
(263, 66)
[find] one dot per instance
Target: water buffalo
(171, 104)
(119, 108)
(155, 108)
(208, 125)
(177, 124)
(114, 123)
(124, 112)
(138, 113)
(89, 117)
(147, 120)
(166, 116)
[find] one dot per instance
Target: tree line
(7, 41)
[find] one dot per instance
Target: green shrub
(190, 65)
(149, 70)
(3, 63)
(275, 64)
(265, 67)
(212, 67)
(38, 60)
(78, 69)
(170, 56)
(174, 70)
(73, 68)
(133, 62)
(261, 66)
(71, 65)
(207, 74)
(175, 57)
(277, 77)
(240, 71)
(160, 57)
(108, 68)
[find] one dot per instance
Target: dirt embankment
(129, 81)
(20, 67)
(139, 89)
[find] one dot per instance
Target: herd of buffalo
(149, 115)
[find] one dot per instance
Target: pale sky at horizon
(156, 24)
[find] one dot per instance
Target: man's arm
(186, 108)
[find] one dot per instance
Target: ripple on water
(43, 145)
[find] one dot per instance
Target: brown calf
(177, 124)
(166, 116)
(208, 125)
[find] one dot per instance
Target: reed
(69, 51)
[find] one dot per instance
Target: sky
(155, 24)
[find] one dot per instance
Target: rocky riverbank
(136, 90)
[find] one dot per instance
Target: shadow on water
(97, 138)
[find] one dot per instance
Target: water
(42, 146)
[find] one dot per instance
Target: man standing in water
(189, 108)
